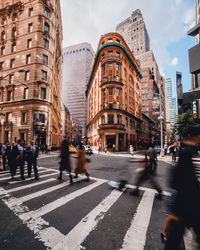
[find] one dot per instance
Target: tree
(185, 124)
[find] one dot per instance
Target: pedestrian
(143, 174)
(131, 150)
(21, 157)
(11, 154)
(32, 154)
(105, 149)
(81, 164)
(153, 159)
(165, 149)
(187, 199)
(113, 147)
(3, 152)
(65, 163)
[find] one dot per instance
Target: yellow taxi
(72, 149)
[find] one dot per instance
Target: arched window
(130, 79)
(3, 21)
(13, 47)
(46, 28)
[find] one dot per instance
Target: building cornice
(111, 45)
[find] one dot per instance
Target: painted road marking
(135, 237)
(79, 233)
(60, 202)
(28, 179)
(12, 190)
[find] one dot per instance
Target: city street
(52, 214)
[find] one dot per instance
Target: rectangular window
(117, 54)
(24, 118)
(43, 93)
(25, 93)
(117, 92)
(126, 121)
(110, 91)
(42, 118)
(131, 111)
(44, 75)
(117, 66)
(110, 77)
(27, 75)
(46, 43)
(110, 65)
(110, 119)
(1, 65)
(110, 53)
(117, 105)
(13, 47)
(131, 101)
(119, 118)
(29, 43)
(3, 51)
(12, 63)
(46, 12)
(9, 95)
(45, 59)
(30, 11)
(46, 28)
(28, 59)
(110, 40)
(30, 27)
(103, 119)
(11, 79)
(110, 105)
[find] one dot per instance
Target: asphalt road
(52, 214)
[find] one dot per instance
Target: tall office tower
(171, 101)
(134, 32)
(198, 18)
(30, 70)
(77, 61)
(179, 88)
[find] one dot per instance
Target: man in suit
(3, 152)
(21, 157)
(12, 154)
(32, 154)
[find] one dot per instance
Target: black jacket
(12, 154)
(185, 182)
(30, 155)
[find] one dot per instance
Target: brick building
(114, 109)
(30, 47)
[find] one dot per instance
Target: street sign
(195, 109)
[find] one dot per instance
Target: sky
(167, 23)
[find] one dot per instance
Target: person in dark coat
(65, 163)
(187, 202)
(21, 157)
(3, 153)
(12, 153)
(32, 154)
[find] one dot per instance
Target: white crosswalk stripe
(135, 238)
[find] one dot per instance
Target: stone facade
(30, 42)
(114, 108)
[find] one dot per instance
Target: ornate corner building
(114, 111)
(30, 70)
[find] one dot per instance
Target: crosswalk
(85, 215)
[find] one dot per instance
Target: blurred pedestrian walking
(143, 174)
(65, 163)
(187, 200)
(152, 154)
(32, 152)
(81, 164)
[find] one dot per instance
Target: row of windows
(10, 95)
(24, 117)
(30, 29)
(30, 13)
(29, 45)
(28, 61)
(75, 51)
(110, 91)
(110, 40)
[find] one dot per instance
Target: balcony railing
(119, 126)
(114, 80)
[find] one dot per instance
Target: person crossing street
(21, 157)
(11, 153)
(32, 154)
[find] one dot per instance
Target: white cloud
(174, 61)
(166, 21)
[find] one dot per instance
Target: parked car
(88, 149)
(157, 149)
(72, 149)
